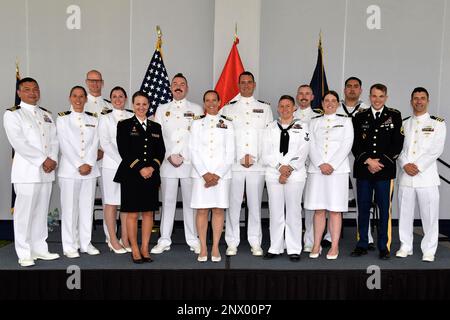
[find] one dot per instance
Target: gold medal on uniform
(167, 113)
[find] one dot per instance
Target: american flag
(156, 83)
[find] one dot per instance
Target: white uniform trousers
(169, 192)
(77, 205)
(253, 183)
(308, 237)
(428, 199)
(285, 231)
(30, 218)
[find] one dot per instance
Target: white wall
(278, 43)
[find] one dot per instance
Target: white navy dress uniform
(32, 134)
(305, 115)
(285, 232)
(212, 149)
(107, 130)
(250, 117)
(79, 141)
(424, 143)
(98, 105)
(331, 142)
(175, 119)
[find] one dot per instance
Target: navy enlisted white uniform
(305, 113)
(286, 145)
(250, 118)
(77, 173)
(32, 134)
(175, 119)
(419, 177)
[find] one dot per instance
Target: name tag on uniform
(428, 129)
(365, 126)
(155, 135)
(47, 118)
(258, 110)
(189, 115)
(338, 126)
(90, 125)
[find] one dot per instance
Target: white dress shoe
(45, 256)
(307, 249)
(202, 259)
(403, 253)
(231, 251)
(216, 259)
(257, 251)
(72, 254)
(428, 257)
(26, 262)
(127, 249)
(315, 255)
(159, 248)
(117, 251)
(91, 250)
(332, 256)
(196, 249)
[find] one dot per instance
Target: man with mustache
(175, 119)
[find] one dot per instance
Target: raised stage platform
(176, 275)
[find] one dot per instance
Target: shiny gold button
(145, 159)
(145, 152)
(145, 146)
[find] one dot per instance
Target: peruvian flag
(227, 86)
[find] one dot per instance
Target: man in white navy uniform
(305, 113)
(419, 177)
(350, 106)
(175, 119)
(250, 118)
(96, 104)
(31, 132)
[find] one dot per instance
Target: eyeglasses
(94, 80)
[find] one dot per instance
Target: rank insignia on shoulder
(393, 110)
(317, 116)
(14, 108)
(406, 118)
(45, 110)
(264, 102)
(232, 102)
(109, 101)
(437, 119)
(198, 117)
(226, 118)
(64, 113)
(106, 111)
(317, 110)
(91, 114)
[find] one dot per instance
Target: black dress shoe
(358, 252)
(384, 255)
(352, 203)
(371, 247)
(147, 259)
(138, 261)
(294, 257)
(269, 256)
(325, 243)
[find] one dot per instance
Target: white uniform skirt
(111, 189)
(327, 192)
(212, 197)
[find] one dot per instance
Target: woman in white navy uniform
(286, 145)
(78, 140)
(328, 172)
(212, 149)
(107, 128)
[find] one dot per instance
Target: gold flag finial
(17, 69)
(235, 38)
(320, 38)
(159, 41)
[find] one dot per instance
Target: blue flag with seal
(319, 83)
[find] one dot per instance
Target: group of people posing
(306, 156)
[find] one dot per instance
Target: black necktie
(284, 138)
(144, 125)
(377, 115)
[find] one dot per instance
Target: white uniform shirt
(96, 105)
(175, 119)
(78, 140)
(331, 142)
(107, 131)
(211, 144)
(32, 134)
(424, 143)
(350, 111)
(297, 151)
(305, 115)
(250, 118)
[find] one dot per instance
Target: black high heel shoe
(138, 261)
(146, 259)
